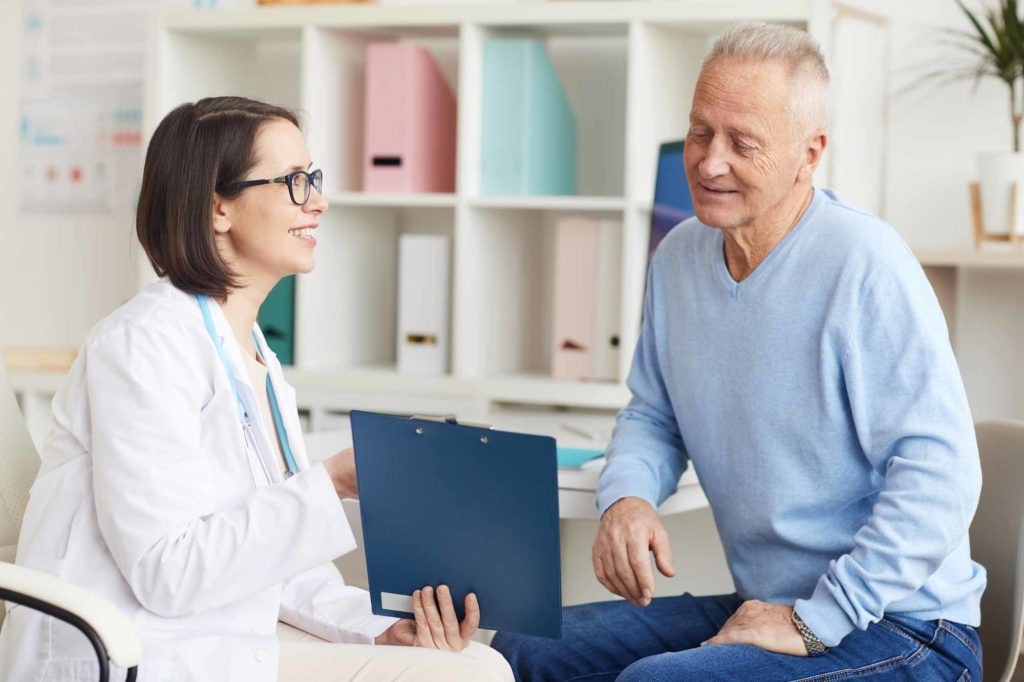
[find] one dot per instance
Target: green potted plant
(994, 45)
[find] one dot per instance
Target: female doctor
(174, 480)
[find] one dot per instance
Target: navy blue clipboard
(469, 507)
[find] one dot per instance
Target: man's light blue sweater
(822, 408)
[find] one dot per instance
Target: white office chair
(997, 543)
(111, 633)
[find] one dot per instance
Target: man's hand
(766, 626)
(436, 626)
(630, 529)
(342, 470)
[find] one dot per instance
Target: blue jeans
(616, 640)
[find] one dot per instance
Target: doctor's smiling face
(267, 231)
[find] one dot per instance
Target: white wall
(10, 31)
(934, 135)
(936, 131)
(58, 275)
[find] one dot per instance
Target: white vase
(997, 171)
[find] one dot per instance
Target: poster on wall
(80, 114)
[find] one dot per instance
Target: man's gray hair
(796, 49)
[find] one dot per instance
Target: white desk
(577, 488)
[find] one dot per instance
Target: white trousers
(307, 658)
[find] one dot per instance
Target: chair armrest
(117, 634)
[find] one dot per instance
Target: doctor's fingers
(449, 620)
(472, 620)
(423, 636)
(434, 618)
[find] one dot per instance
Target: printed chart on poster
(80, 126)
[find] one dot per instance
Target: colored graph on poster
(80, 120)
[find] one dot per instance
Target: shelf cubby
(334, 89)
(505, 320)
(346, 309)
(262, 64)
(591, 64)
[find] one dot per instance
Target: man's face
(744, 151)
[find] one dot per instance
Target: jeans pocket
(965, 638)
(922, 632)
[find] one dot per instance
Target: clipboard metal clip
(450, 419)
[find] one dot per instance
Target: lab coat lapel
(231, 350)
(246, 391)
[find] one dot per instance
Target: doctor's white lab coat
(151, 494)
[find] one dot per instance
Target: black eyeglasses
(299, 184)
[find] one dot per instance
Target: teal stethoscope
(243, 414)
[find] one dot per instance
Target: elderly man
(794, 353)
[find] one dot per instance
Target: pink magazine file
(410, 122)
(577, 241)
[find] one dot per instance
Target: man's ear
(221, 214)
(814, 149)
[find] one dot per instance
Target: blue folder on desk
(469, 507)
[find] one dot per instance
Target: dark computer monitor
(672, 201)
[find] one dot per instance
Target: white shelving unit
(628, 70)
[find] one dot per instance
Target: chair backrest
(997, 543)
(19, 463)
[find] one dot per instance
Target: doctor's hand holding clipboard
(497, 549)
(436, 625)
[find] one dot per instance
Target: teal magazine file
(529, 131)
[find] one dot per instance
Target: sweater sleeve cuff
(824, 616)
(616, 490)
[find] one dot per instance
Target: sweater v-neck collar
(763, 269)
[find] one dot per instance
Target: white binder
(424, 277)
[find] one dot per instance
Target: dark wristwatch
(811, 641)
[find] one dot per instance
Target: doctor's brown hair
(196, 148)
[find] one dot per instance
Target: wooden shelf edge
(30, 359)
(967, 258)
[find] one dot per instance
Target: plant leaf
(982, 33)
